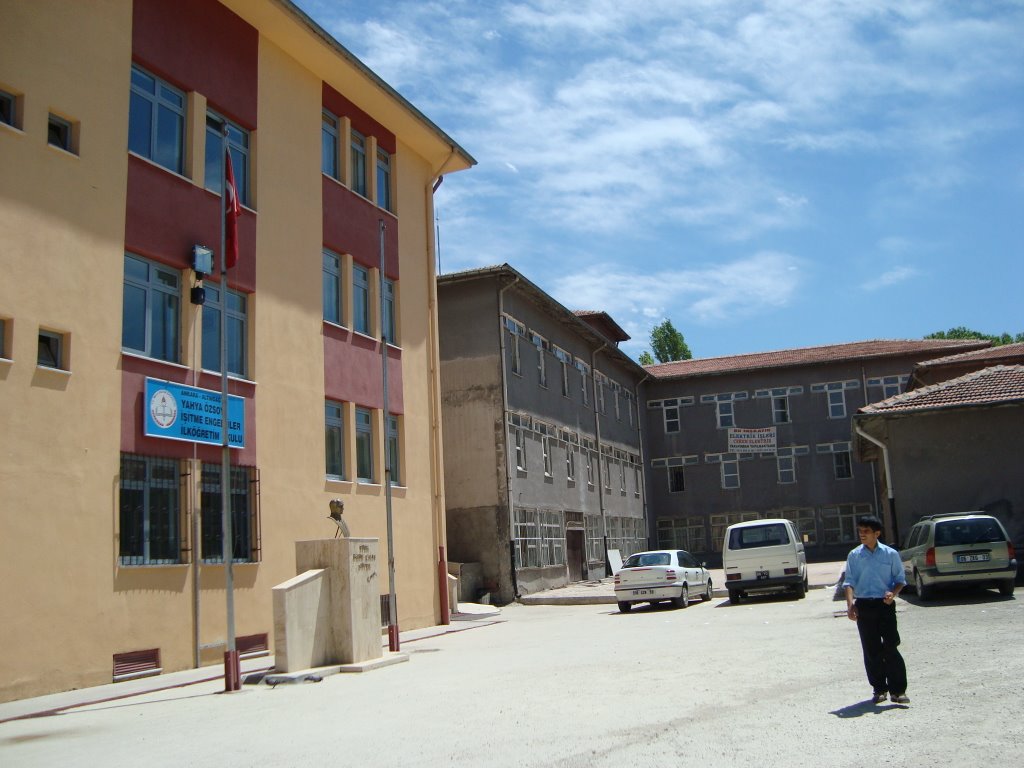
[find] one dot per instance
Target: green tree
(645, 358)
(961, 332)
(668, 344)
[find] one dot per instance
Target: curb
(542, 599)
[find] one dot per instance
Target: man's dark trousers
(879, 638)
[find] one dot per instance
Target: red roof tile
(809, 355)
(1005, 352)
(989, 386)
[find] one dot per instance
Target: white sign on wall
(760, 440)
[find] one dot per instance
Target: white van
(763, 556)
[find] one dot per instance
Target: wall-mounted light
(202, 261)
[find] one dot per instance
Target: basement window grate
(133, 664)
(250, 646)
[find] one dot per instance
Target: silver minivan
(764, 556)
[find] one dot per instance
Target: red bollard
(232, 671)
(393, 644)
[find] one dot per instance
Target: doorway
(575, 554)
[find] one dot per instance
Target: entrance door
(574, 554)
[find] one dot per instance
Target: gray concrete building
(543, 466)
(769, 435)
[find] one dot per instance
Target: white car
(663, 574)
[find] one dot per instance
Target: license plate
(639, 592)
(977, 558)
(762, 575)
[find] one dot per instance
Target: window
(676, 481)
(841, 465)
(51, 350)
(722, 521)
(636, 479)
(786, 468)
(836, 405)
(615, 394)
(670, 411)
(607, 473)
(3, 339)
(545, 446)
(358, 154)
(685, 532)
(150, 314)
(570, 463)
(622, 476)
(584, 370)
(542, 345)
(383, 179)
(238, 145)
(552, 538)
(599, 382)
(516, 329)
(329, 144)
(805, 524)
(780, 410)
(595, 543)
(526, 530)
(361, 299)
(334, 440)
(58, 133)
(7, 109)
(240, 504)
(839, 523)
(590, 468)
(332, 289)
(236, 330)
(565, 359)
(149, 511)
(725, 414)
(730, 474)
(520, 442)
(364, 445)
(156, 121)
(393, 451)
(389, 312)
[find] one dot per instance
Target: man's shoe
(900, 698)
(879, 696)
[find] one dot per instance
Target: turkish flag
(231, 210)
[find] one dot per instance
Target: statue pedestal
(329, 613)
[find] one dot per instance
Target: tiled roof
(1006, 352)
(996, 385)
(809, 355)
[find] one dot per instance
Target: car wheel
(734, 596)
(800, 590)
(924, 592)
(683, 600)
(1006, 587)
(625, 607)
(707, 595)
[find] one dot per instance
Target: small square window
(3, 339)
(58, 133)
(8, 113)
(51, 350)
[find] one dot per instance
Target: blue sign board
(177, 412)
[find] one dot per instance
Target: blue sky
(765, 174)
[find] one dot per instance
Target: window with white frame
(780, 410)
(237, 330)
(394, 452)
(237, 141)
(384, 179)
(516, 331)
(390, 326)
(805, 523)
(156, 120)
(616, 390)
(526, 530)
(150, 511)
(839, 522)
(364, 445)
(670, 412)
(565, 359)
(241, 506)
(724, 406)
(519, 436)
(150, 318)
(682, 533)
(730, 474)
(676, 480)
(890, 385)
(552, 536)
(725, 414)
(720, 522)
(570, 462)
(595, 539)
(545, 446)
(333, 290)
(334, 440)
(584, 370)
(836, 394)
(622, 475)
(361, 299)
(329, 142)
(590, 468)
(599, 382)
(357, 153)
(542, 345)
(786, 466)
(779, 397)
(607, 472)
(637, 482)
(841, 465)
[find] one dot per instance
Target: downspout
(597, 437)
(434, 400)
(864, 386)
(504, 433)
(890, 490)
(643, 460)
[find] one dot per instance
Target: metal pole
(393, 643)
(232, 671)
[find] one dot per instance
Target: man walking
(874, 576)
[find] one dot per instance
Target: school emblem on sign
(163, 408)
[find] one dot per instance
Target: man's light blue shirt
(872, 574)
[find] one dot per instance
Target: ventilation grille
(132, 664)
(252, 645)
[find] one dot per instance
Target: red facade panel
(351, 225)
(199, 45)
(167, 215)
(361, 121)
(353, 371)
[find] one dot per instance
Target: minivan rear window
(979, 530)
(758, 536)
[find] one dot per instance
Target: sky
(766, 175)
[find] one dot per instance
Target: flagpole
(393, 642)
(232, 671)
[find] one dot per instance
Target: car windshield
(771, 535)
(978, 530)
(648, 558)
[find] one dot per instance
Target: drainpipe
(890, 490)
(504, 432)
(434, 399)
(643, 460)
(864, 387)
(600, 478)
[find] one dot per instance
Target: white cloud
(890, 278)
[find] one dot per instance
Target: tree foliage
(961, 332)
(645, 358)
(668, 344)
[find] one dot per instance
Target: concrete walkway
(819, 576)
